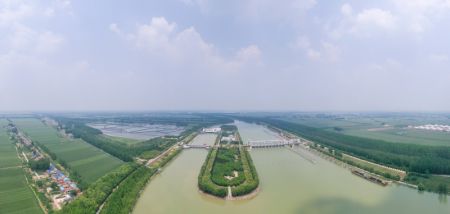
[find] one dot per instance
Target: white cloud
(14, 11)
(332, 51)
(48, 42)
(375, 17)
(156, 35)
(313, 54)
(403, 16)
(388, 66)
(256, 10)
(25, 47)
(114, 28)
(419, 14)
(161, 39)
(302, 42)
(439, 58)
(364, 23)
(28, 41)
(347, 9)
(250, 53)
(325, 51)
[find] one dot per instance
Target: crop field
(15, 195)
(390, 128)
(88, 161)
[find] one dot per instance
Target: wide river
(289, 184)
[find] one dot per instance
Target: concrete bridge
(272, 143)
(189, 146)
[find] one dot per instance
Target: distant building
(230, 138)
(434, 127)
(212, 130)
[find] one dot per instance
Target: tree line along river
(288, 182)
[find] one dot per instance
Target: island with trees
(228, 171)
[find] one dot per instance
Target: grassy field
(15, 195)
(376, 167)
(88, 161)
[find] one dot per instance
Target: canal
(289, 184)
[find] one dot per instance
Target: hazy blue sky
(304, 55)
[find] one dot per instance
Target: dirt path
(229, 195)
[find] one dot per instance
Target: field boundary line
(11, 167)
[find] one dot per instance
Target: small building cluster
(65, 185)
(434, 127)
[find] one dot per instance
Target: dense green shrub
(41, 164)
(251, 176)
(226, 162)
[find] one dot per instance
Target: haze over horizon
(296, 55)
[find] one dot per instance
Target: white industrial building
(212, 130)
(434, 127)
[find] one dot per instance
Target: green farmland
(380, 127)
(88, 161)
(124, 140)
(15, 195)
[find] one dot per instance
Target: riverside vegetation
(420, 161)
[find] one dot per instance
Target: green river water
(288, 184)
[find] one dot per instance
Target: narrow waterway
(289, 184)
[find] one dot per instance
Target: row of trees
(123, 199)
(204, 178)
(410, 157)
(96, 194)
(251, 176)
